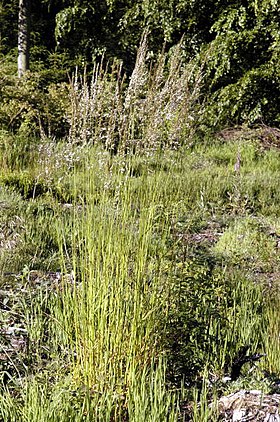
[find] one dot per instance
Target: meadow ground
(131, 285)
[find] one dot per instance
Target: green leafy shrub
(31, 187)
(24, 184)
(31, 106)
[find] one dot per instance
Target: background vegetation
(237, 45)
(139, 209)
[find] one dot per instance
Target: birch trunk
(23, 36)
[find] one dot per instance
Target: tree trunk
(23, 36)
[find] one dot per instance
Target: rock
(251, 405)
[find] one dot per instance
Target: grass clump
(247, 240)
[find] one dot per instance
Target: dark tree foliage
(243, 65)
(8, 25)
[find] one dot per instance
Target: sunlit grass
(143, 304)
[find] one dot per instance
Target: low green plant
(248, 241)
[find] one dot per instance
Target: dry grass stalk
(159, 108)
